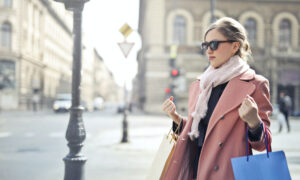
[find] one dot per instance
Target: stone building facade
(273, 31)
(36, 54)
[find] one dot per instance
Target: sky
(101, 23)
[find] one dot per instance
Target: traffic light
(175, 73)
(167, 90)
(172, 62)
(173, 55)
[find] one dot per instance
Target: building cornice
(98, 55)
(56, 16)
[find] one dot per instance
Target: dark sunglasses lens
(204, 46)
(214, 45)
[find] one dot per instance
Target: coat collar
(234, 93)
(248, 75)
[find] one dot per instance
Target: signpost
(126, 30)
(125, 47)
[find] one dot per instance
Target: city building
(273, 32)
(36, 55)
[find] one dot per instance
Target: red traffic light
(167, 90)
(175, 72)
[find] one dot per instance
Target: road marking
(57, 134)
(62, 134)
(5, 134)
(29, 134)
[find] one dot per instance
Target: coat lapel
(234, 93)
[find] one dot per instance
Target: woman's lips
(211, 57)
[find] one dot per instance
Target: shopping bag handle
(174, 134)
(266, 136)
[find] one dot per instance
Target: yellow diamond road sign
(125, 30)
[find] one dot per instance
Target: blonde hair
(233, 30)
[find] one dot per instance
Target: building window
(285, 33)
(251, 27)
(7, 74)
(179, 35)
(6, 35)
(7, 3)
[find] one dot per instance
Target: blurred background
(36, 44)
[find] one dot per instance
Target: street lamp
(75, 135)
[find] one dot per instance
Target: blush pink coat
(226, 132)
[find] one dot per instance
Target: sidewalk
(127, 161)
(289, 143)
(131, 161)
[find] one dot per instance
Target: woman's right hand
(170, 109)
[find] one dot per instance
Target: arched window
(6, 35)
(251, 27)
(285, 33)
(7, 3)
(7, 74)
(179, 35)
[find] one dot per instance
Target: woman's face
(224, 51)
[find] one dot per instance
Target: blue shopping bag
(267, 166)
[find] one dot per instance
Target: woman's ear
(236, 46)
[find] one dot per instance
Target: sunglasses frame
(214, 44)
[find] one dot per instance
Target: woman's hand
(170, 109)
(249, 112)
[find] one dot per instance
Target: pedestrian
(227, 100)
(284, 109)
(35, 101)
(288, 102)
(281, 120)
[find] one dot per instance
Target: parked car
(296, 113)
(62, 103)
(98, 103)
(121, 107)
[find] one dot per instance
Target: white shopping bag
(162, 157)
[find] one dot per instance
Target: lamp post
(75, 135)
(1, 87)
(212, 11)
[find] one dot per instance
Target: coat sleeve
(262, 99)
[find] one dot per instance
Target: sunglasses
(213, 44)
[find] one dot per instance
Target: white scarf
(211, 78)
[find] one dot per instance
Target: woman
(227, 100)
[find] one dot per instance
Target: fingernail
(171, 98)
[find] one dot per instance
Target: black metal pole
(124, 122)
(1, 87)
(212, 10)
(75, 135)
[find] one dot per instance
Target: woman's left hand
(249, 112)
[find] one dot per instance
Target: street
(33, 145)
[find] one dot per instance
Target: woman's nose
(208, 50)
